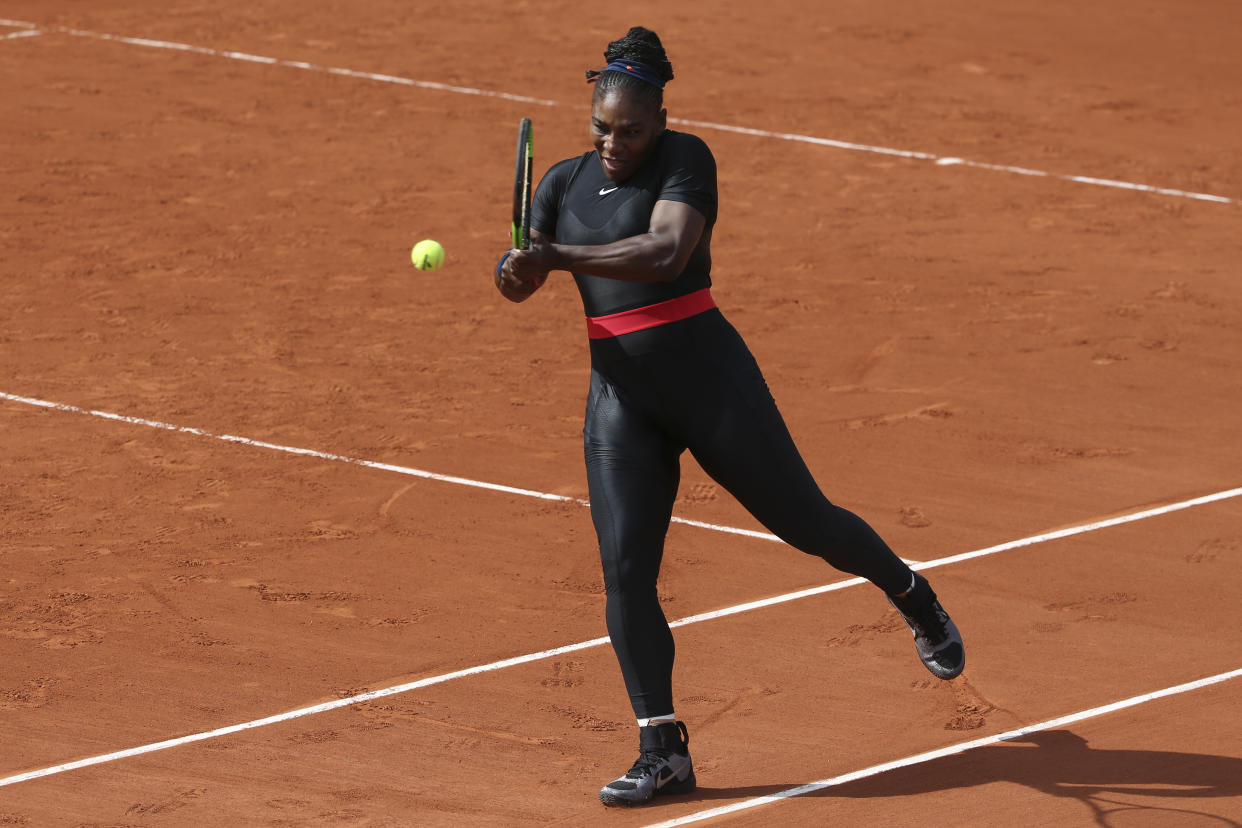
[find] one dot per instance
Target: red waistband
(661, 313)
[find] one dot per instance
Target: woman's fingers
(525, 266)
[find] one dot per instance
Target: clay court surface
(208, 318)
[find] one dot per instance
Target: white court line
(949, 161)
(940, 160)
(951, 750)
(299, 713)
(595, 642)
(370, 464)
(294, 64)
(978, 553)
(497, 487)
(15, 35)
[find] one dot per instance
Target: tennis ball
(427, 255)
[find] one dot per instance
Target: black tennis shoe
(935, 635)
(663, 767)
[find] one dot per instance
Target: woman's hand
(519, 273)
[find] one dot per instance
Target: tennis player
(632, 221)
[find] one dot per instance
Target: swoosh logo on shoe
(606, 191)
(665, 775)
(667, 772)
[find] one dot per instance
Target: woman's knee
(631, 575)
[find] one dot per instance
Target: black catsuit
(689, 384)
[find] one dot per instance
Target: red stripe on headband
(637, 69)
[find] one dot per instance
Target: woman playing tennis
(632, 221)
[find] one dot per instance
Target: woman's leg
(743, 443)
(633, 473)
(739, 438)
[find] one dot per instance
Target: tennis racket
(522, 186)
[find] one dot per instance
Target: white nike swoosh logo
(667, 773)
(604, 191)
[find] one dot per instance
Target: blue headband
(639, 70)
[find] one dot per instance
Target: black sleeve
(545, 207)
(689, 174)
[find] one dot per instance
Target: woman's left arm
(659, 255)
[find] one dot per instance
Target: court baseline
(939, 160)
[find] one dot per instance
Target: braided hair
(641, 45)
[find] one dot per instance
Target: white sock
(657, 720)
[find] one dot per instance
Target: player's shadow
(1057, 763)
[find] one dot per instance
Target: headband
(630, 67)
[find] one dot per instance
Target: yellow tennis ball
(427, 255)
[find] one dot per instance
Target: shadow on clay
(1057, 763)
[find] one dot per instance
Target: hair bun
(643, 45)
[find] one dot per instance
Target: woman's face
(624, 130)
